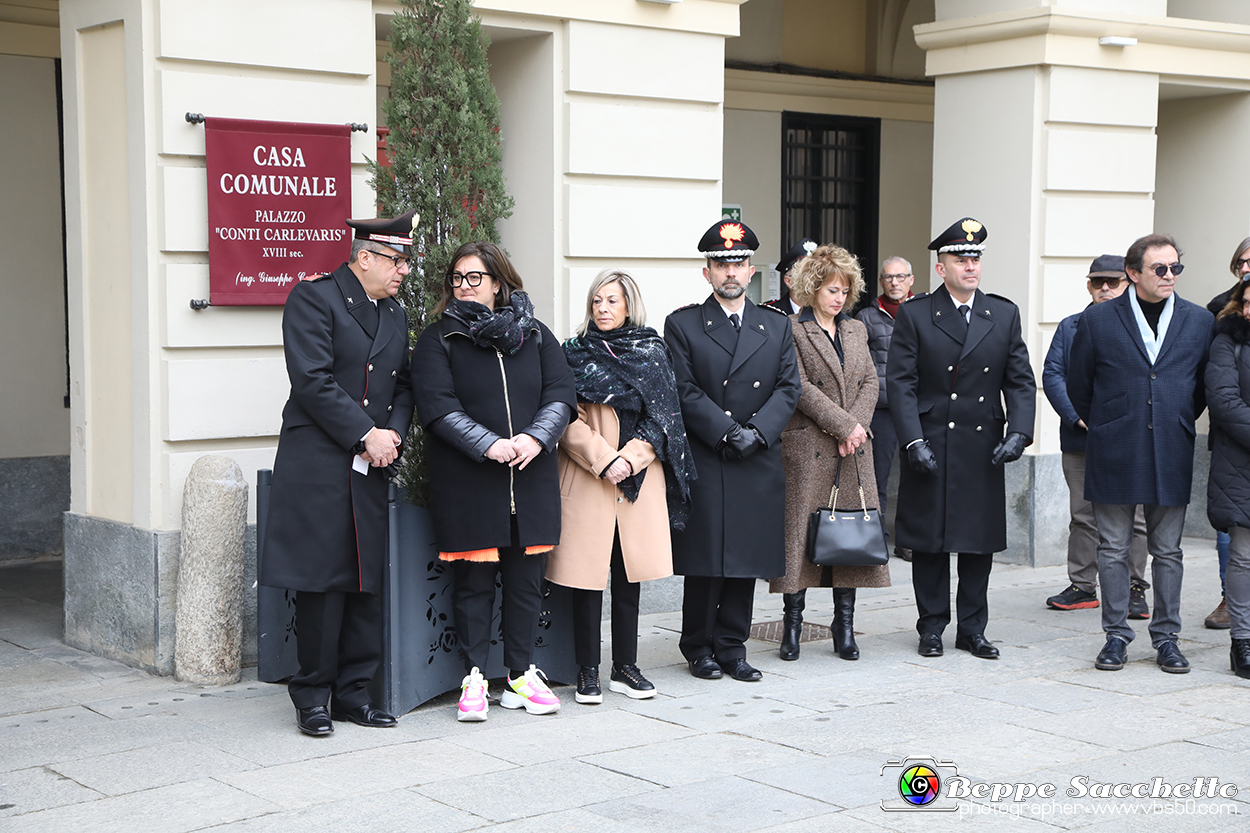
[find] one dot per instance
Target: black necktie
(963, 320)
(737, 322)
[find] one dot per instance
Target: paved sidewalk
(89, 745)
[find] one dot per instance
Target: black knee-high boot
(791, 623)
(843, 626)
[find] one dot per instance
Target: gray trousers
(1237, 582)
(1164, 526)
(1083, 531)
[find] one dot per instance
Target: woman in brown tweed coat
(839, 395)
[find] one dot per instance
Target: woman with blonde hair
(625, 468)
(839, 396)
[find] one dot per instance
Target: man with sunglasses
(1135, 377)
(1106, 281)
(346, 346)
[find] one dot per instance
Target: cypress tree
(444, 160)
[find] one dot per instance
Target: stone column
(208, 638)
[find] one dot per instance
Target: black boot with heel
(791, 624)
(1239, 658)
(843, 626)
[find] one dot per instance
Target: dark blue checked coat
(1140, 447)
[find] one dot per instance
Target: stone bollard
(208, 635)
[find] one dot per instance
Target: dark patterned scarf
(629, 369)
(503, 328)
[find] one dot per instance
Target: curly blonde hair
(813, 271)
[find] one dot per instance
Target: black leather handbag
(846, 538)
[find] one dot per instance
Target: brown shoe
(1218, 620)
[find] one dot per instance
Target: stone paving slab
(364, 772)
(534, 790)
(175, 809)
(396, 811)
(701, 758)
(39, 788)
(152, 766)
(724, 805)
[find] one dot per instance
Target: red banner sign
(278, 193)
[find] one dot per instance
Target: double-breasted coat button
(365, 403)
(729, 413)
(756, 385)
(978, 427)
(820, 383)
(950, 368)
(393, 372)
(370, 368)
(388, 407)
(980, 398)
(950, 425)
(724, 383)
(986, 370)
(954, 396)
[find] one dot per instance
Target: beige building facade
(627, 126)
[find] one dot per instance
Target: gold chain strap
(833, 494)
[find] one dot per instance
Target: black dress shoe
(930, 645)
(314, 721)
(1112, 655)
(977, 645)
(1171, 659)
(740, 670)
(705, 668)
(365, 715)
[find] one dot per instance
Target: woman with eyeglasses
(493, 393)
(1228, 486)
(625, 470)
(1240, 267)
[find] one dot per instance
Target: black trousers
(931, 577)
(473, 606)
(716, 617)
(339, 648)
(588, 614)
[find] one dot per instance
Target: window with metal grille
(830, 175)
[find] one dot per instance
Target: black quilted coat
(1228, 399)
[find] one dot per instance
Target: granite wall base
(34, 492)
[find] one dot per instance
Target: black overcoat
(473, 501)
(737, 509)
(1141, 416)
(1228, 397)
(950, 389)
(348, 366)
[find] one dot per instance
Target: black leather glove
(748, 441)
(1010, 449)
(920, 458)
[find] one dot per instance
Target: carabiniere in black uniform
(326, 536)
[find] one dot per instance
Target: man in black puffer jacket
(878, 317)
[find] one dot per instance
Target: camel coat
(592, 508)
(835, 397)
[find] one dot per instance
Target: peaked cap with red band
(728, 241)
(396, 233)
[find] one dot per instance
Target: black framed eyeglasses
(398, 260)
(1162, 270)
(1242, 262)
(471, 278)
(899, 278)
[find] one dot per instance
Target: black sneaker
(1137, 607)
(628, 680)
(588, 690)
(1074, 598)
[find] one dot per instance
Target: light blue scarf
(1152, 342)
